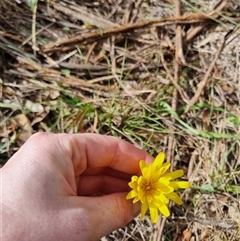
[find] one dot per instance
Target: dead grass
(164, 75)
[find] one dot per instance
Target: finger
(101, 184)
(85, 151)
(106, 170)
(95, 151)
(106, 213)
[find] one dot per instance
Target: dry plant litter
(163, 75)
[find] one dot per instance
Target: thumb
(110, 212)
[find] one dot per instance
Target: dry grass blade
(81, 14)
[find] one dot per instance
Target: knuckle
(39, 137)
(39, 140)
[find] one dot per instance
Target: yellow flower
(155, 187)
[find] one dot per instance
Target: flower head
(155, 187)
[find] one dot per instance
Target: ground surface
(163, 75)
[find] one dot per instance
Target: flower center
(147, 187)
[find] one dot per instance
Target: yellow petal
(146, 172)
(144, 208)
(164, 210)
(131, 194)
(136, 199)
(162, 198)
(174, 197)
(165, 180)
(164, 168)
(142, 197)
(159, 159)
(133, 185)
(149, 198)
(175, 174)
(142, 164)
(165, 188)
(180, 184)
(154, 214)
(134, 178)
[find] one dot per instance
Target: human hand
(50, 187)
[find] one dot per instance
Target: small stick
(34, 42)
(69, 43)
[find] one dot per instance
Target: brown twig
(90, 50)
(70, 43)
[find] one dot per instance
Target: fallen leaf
(205, 234)
(227, 88)
(26, 128)
(34, 107)
(185, 235)
(39, 117)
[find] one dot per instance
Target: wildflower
(155, 187)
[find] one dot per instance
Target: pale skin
(68, 187)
